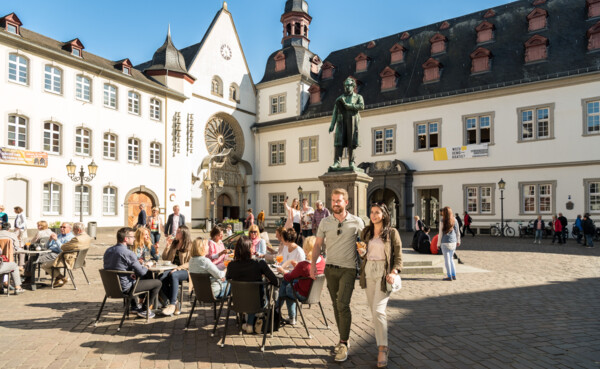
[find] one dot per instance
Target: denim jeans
(170, 283)
(155, 237)
(448, 251)
(538, 234)
(225, 289)
(287, 290)
(589, 240)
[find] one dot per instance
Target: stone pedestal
(355, 183)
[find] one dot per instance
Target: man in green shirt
(339, 233)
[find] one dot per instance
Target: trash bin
(92, 229)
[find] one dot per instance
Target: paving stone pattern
(536, 306)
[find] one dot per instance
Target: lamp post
(300, 191)
(214, 188)
(501, 186)
(92, 169)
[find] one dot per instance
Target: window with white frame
(12, 28)
(537, 198)
(427, 135)
(312, 197)
(52, 79)
(278, 104)
(52, 137)
(133, 103)
(478, 199)
(17, 132)
(277, 153)
(18, 69)
(592, 195)
(83, 88)
(133, 150)
(82, 202)
(109, 150)
(308, 149)
(477, 129)
(155, 153)
(276, 203)
(535, 123)
(83, 141)
(110, 96)
(155, 109)
(109, 201)
(592, 117)
(51, 198)
(383, 141)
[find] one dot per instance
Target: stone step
(418, 263)
(422, 270)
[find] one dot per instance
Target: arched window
(155, 153)
(17, 132)
(133, 150)
(109, 149)
(288, 29)
(133, 102)
(83, 88)
(83, 141)
(234, 93)
(81, 201)
(51, 198)
(18, 69)
(109, 201)
(52, 137)
(297, 29)
(110, 96)
(216, 86)
(155, 111)
(53, 79)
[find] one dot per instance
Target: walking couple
(381, 255)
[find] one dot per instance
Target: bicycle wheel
(495, 231)
(509, 231)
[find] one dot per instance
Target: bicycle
(507, 230)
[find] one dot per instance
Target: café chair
(112, 288)
(314, 297)
(204, 294)
(8, 273)
(78, 264)
(246, 298)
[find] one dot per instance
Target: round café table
(157, 269)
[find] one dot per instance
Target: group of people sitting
(134, 251)
(421, 241)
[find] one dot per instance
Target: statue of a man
(345, 122)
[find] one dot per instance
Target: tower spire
(296, 22)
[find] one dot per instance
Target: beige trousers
(377, 300)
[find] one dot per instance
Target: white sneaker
(247, 328)
(342, 353)
(337, 348)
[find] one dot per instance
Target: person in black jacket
(460, 224)
(244, 268)
(175, 221)
(142, 216)
(588, 231)
(564, 222)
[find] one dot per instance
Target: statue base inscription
(355, 183)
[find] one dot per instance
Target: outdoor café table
(156, 270)
(28, 253)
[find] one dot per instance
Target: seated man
(6, 234)
(120, 257)
(80, 241)
(54, 244)
(13, 268)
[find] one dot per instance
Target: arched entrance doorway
(133, 199)
(225, 208)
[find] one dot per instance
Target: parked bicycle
(506, 230)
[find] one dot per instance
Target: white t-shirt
(297, 255)
(175, 225)
(307, 218)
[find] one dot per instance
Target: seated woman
(43, 232)
(177, 252)
(424, 242)
(142, 244)
(264, 234)
(259, 246)
(244, 268)
(291, 252)
(291, 282)
(200, 263)
(216, 248)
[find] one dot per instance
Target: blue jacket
(579, 224)
(450, 237)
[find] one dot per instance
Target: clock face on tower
(225, 52)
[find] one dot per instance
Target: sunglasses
(252, 232)
(339, 230)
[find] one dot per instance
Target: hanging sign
(460, 152)
(23, 157)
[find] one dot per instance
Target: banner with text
(460, 152)
(23, 157)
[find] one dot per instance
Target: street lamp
(300, 193)
(214, 188)
(92, 169)
(501, 186)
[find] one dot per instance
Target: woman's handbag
(396, 286)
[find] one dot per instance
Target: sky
(134, 29)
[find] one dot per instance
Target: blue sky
(135, 29)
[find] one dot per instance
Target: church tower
(296, 22)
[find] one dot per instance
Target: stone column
(355, 183)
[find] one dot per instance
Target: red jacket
(557, 225)
(301, 270)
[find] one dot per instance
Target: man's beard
(338, 210)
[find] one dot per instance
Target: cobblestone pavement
(536, 306)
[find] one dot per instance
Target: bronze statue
(345, 121)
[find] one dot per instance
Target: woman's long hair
(369, 230)
(140, 242)
(447, 219)
(243, 249)
(186, 239)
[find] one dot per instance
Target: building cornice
(223, 104)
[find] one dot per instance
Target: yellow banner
(23, 157)
(460, 152)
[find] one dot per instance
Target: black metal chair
(314, 297)
(78, 264)
(204, 294)
(246, 298)
(113, 290)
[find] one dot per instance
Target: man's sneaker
(337, 348)
(291, 321)
(342, 353)
(169, 310)
(142, 314)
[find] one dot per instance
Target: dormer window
(362, 61)
(11, 24)
(485, 32)
(593, 35)
(75, 47)
(397, 52)
(76, 52)
(125, 66)
(536, 48)
(405, 36)
(315, 94)
(127, 70)
(490, 13)
(432, 70)
(438, 43)
(537, 19)
(371, 44)
(279, 61)
(327, 70)
(444, 26)
(389, 78)
(480, 60)
(593, 8)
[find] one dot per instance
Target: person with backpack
(467, 224)
(588, 231)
